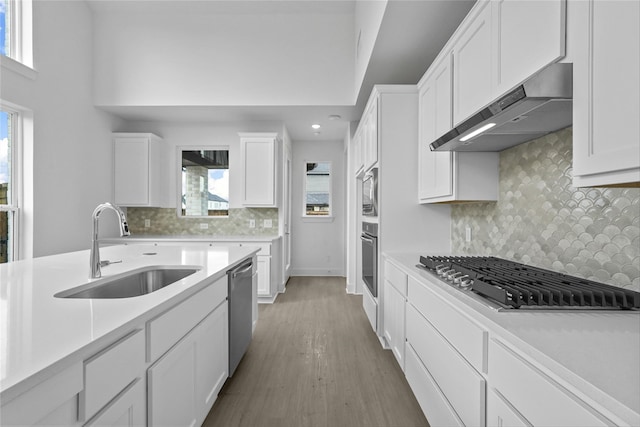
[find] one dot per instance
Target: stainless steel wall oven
(369, 239)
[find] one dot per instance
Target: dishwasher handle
(240, 271)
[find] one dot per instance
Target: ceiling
(411, 34)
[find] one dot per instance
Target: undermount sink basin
(133, 283)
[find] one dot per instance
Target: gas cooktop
(512, 285)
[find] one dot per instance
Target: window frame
(330, 215)
(20, 57)
(15, 181)
(179, 150)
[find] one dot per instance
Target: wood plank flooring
(315, 361)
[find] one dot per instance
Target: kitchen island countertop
(42, 334)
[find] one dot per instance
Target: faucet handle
(107, 262)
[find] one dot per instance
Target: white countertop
(595, 353)
(190, 238)
(41, 334)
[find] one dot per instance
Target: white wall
(318, 246)
(72, 158)
(162, 53)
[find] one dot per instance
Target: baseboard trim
(317, 272)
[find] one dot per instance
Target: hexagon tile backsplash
(541, 220)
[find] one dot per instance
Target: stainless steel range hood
(539, 106)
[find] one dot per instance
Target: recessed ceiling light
(315, 126)
(334, 117)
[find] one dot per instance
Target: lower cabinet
(542, 402)
(127, 409)
(394, 316)
(184, 383)
(264, 276)
(500, 412)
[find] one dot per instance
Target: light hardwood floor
(315, 361)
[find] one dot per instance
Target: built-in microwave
(370, 193)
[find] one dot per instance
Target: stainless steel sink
(131, 284)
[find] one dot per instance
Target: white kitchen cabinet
(542, 402)
(54, 401)
(500, 413)
(445, 176)
(528, 35)
(472, 63)
(369, 134)
(357, 153)
(606, 104)
(212, 358)
(128, 409)
(460, 384)
(184, 383)
(395, 292)
(109, 372)
(429, 396)
(264, 275)
(258, 151)
(138, 175)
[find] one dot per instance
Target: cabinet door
(264, 276)
(212, 356)
(435, 168)
(371, 130)
(128, 409)
(472, 59)
(172, 395)
(606, 129)
(258, 159)
(529, 35)
(131, 171)
(394, 313)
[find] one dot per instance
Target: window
(205, 183)
(8, 185)
(15, 31)
(317, 189)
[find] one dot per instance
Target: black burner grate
(517, 285)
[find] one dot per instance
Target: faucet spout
(95, 243)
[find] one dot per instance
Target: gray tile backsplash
(166, 222)
(541, 220)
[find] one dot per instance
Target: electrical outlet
(147, 223)
(252, 223)
(467, 233)
(267, 223)
(204, 226)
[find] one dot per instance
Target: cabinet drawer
(500, 413)
(396, 277)
(433, 403)
(465, 335)
(168, 328)
(460, 383)
(107, 373)
(542, 401)
(128, 409)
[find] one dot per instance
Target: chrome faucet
(95, 244)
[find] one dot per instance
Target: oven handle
(366, 239)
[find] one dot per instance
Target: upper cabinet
(258, 151)
(499, 45)
(138, 179)
(528, 35)
(606, 105)
(472, 54)
(445, 176)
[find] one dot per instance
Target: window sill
(318, 218)
(10, 64)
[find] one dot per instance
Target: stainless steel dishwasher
(240, 311)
